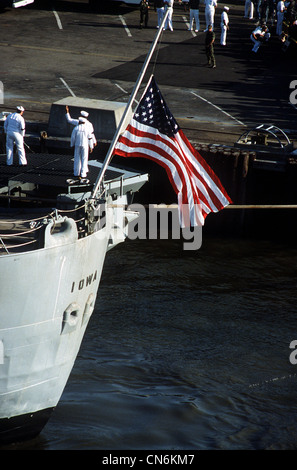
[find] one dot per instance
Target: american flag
(153, 133)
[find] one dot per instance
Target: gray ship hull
(47, 298)
(48, 295)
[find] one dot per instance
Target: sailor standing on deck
(160, 8)
(74, 122)
(224, 25)
(169, 7)
(81, 140)
(194, 15)
(210, 6)
(249, 9)
(280, 11)
(209, 49)
(14, 128)
(144, 13)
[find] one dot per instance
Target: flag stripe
(154, 134)
(155, 153)
(150, 146)
(207, 196)
(206, 175)
(147, 141)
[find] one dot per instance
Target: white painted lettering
(293, 358)
(1, 352)
(84, 282)
(293, 95)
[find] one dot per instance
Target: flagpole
(127, 109)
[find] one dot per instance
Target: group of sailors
(82, 139)
(162, 6)
(281, 13)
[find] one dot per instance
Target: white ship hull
(56, 289)
(47, 297)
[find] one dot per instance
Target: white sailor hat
(81, 119)
(226, 8)
(20, 108)
(84, 113)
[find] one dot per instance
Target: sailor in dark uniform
(209, 49)
(144, 10)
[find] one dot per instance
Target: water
(185, 351)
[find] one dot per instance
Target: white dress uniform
(75, 122)
(280, 11)
(159, 6)
(194, 15)
(210, 6)
(14, 128)
(249, 9)
(259, 32)
(224, 26)
(169, 7)
(81, 140)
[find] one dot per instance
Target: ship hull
(23, 427)
(47, 298)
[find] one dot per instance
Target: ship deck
(31, 193)
(52, 172)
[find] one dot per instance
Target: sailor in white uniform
(14, 128)
(74, 122)
(224, 25)
(194, 15)
(160, 9)
(169, 6)
(280, 11)
(260, 34)
(210, 6)
(249, 9)
(81, 140)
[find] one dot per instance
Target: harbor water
(185, 350)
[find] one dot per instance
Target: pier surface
(51, 50)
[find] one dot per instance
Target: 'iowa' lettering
(84, 282)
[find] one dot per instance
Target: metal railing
(22, 233)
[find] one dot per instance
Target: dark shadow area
(99, 6)
(251, 86)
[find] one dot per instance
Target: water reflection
(186, 351)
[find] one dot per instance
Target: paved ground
(53, 49)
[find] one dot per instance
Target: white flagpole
(127, 109)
